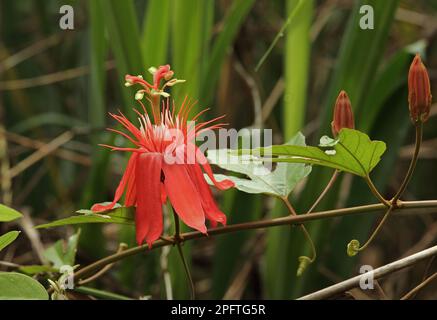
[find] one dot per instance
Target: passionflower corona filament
(343, 114)
(165, 163)
(419, 91)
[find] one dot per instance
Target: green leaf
(354, 152)
(8, 238)
(279, 182)
(17, 286)
(62, 253)
(119, 215)
(8, 214)
(35, 269)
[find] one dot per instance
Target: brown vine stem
(105, 269)
(324, 192)
(394, 202)
(289, 220)
(304, 230)
(376, 192)
(408, 176)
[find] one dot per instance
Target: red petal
(184, 196)
(131, 193)
(148, 217)
(163, 194)
(212, 212)
(222, 185)
(119, 192)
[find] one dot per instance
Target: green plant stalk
(296, 71)
(178, 239)
(288, 220)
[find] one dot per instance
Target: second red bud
(343, 114)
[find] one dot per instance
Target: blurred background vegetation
(56, 86)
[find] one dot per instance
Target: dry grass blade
(49, 78)
(41, 153)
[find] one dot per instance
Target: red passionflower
(160, 167)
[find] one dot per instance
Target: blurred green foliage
(323, 51)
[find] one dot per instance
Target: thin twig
(394, 202)
(375, 191)
(30, 51)
(420, 287)
(41, 153)
(280, 34)
(254, 91)
(105, 269)
(36, 144)
(408, 176)
(50, 78)
(375, 274)
(324, 192)
(272, 100)
(28, 227)
(304, 230)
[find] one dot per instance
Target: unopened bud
(343, 114)
(419, 91)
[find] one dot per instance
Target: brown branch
(288, 220)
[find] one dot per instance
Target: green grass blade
(359, 56)
(123, 31)
(92, 239)
(155, 34)
(233, 20)
(276, 271)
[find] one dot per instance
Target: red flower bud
(419, 91)
(343, 114)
